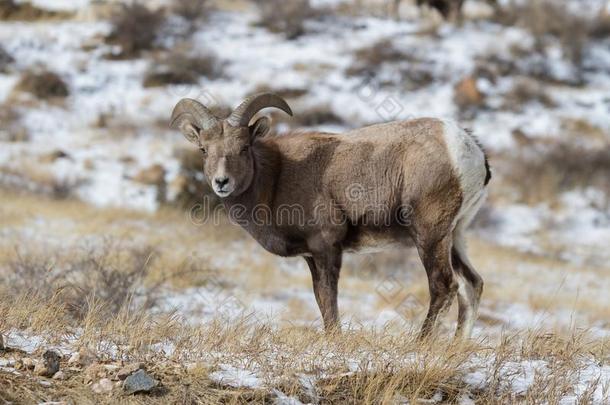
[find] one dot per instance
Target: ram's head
(228, 162)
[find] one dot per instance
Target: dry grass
(36, 179)
(25, 11)
(358, 366)
(363, 365)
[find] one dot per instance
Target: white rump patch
(468, 160)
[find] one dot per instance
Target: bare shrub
(43, 84)
(181, 68)
(368, 59)
(526, 91)
(31, 273)
(12, 130)
(492, 66)
(317, 116)
(64, 188)
(600, 28)
(448, 9)
(284, 92)
(5, 60)
(191, 10)
(287, 17)
(410, 71)
(551, 22)
(135, 29)
(112, 276)
(545, 170)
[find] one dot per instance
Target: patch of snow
(519, 376)
(236, 377)
(283, 399)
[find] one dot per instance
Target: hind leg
(469, 281)
(442, 284)
(470, 288)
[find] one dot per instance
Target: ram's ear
(260, 127)
(190, 131)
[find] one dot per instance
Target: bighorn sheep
(419, 181)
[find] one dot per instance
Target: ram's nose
(221, 182)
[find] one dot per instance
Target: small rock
(49, 364)
(28, 364)
(111, 368)
(93, 372)
(81, 358)
(140, 381)
(103, 386)
(45, 383)
(6, 363)
(129, 370)
(1, 342)
(74, 358)
(60, 375)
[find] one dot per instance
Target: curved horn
(195, 113)
(243, 114)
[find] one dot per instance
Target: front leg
(325, 270)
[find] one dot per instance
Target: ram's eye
(202, 149)
(244, 149)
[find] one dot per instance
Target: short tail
(487, 169)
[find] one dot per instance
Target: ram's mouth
(222, 193)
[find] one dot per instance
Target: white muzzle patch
(222, 184)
